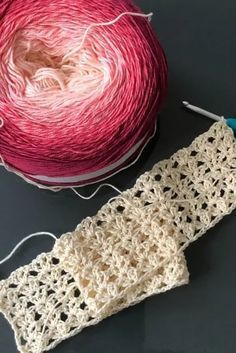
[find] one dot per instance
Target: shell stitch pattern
(133, 248)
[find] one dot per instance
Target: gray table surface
(200, 43)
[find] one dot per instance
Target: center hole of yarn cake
(45, 70)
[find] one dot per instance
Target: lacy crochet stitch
(133, 247)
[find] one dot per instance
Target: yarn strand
(80, 89)
(96, 191)
(8, 257)
(59, 188)
(103, 24)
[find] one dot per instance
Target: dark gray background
(200, 43)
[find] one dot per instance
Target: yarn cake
(81, 83)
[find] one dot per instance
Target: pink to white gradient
(76, 94)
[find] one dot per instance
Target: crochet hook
(230, 121)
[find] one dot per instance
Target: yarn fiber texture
(131, 249)
(76, 95)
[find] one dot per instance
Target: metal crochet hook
(230, 121)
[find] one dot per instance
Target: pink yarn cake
(81, 83)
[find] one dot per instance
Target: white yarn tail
(96, 191)
(102, 24)
(8, 257)
(59, 188)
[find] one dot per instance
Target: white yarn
(8, 257)
(109, 23)
(96, 191)
(59, 188)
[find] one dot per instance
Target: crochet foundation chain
(81, 83)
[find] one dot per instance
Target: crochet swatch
(133, 248)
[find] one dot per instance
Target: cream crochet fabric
(133, 247)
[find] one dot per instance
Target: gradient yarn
(81, 83)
